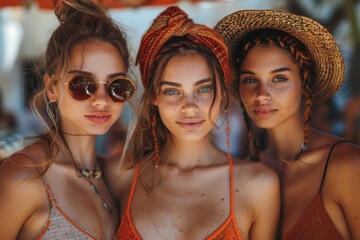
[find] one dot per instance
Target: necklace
(88, 175)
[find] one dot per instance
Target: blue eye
(248, 80)
(205, 89)
(280, 79)
(170, 92)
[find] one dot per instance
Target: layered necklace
(89, 175)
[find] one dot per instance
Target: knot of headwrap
(173, 22)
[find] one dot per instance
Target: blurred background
(26, 25)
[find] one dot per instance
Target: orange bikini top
(228, 230)
(316, 222)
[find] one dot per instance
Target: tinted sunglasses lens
(82, 87)
(120, 90)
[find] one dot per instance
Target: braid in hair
(253, 146)
(301, 56)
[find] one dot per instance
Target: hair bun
(73, 10)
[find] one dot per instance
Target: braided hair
(299, 54)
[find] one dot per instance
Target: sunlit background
(25, 27)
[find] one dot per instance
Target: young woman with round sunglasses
(183, 187)
(283, 64)
(54, 188)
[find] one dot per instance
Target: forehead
(97, 57)
(266, 56)
(187, 67)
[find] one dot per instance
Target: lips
(264, 111)
(99, 118)
(190, 124)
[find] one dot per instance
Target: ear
(50, 88)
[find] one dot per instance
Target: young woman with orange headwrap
(182, 186)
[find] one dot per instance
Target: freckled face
(98, 113)
(270, 86)
(185, 98)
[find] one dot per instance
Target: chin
(192, 137)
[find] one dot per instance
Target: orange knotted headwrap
(173, 22)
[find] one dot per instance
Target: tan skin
(24, 203)
(192, 200)
(351, 115)
(270, 89)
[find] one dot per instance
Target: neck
(286, 139)
(190, 154)
(82, 149)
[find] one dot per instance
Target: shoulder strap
(133, 186)
(46, 184)
(328, 159)
(231, 186)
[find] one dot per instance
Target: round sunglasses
(83, 85)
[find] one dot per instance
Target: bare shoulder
(257, 180)
(345, 158)
(257, 172)
(20, 185)
(118, 174)
(20, 167)
(257, 188)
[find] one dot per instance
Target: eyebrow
(175, 84)
(283, 69)
(89, 73)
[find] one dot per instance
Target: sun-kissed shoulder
(256, 187)
(20, 171)
(20, 167)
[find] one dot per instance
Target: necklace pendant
(95, 189)
(96, 173)
(106, 206)
(84, 172)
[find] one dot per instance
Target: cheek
(167, 108)
(245, 97)
(117, 108)
(165, 102)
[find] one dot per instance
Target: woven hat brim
(318, 40)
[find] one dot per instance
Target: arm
(19, 197)
(350, 113)
(266, 202)
(346, 182)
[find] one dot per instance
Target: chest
(182, 207)
(299, 187)
(81, 202)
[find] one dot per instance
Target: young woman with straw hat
(282, 64)
(184, 187)
(54, 188)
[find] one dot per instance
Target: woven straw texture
(318, 40)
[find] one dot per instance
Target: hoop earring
(50, 112)
(227, 131)
(156, 145)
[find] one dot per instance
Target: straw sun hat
(317, 39)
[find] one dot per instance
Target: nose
(100, 97)
(263, 93)
(189, 105)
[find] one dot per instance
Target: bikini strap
(133, 185)
(44, 179)
(328, 159)
(231, 186)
